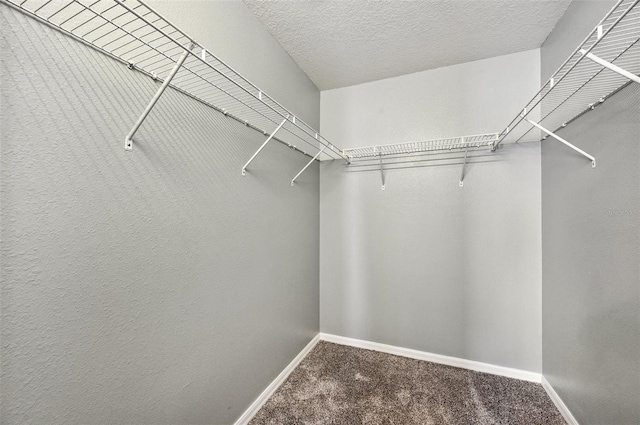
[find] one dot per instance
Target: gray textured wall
(469, 98)
(154, 286)
(591, 247)
(426, 264)
(591, 271)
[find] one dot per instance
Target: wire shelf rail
(606, 61)
(133, 33)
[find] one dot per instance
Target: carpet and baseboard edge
(268, 392)
(524, 375)
(435, 358)
(562, 408)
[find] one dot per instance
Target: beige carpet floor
(336, 384)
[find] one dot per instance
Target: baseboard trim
(273, 386)
(562, 408)
(435, 358)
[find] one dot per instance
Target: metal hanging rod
(426, 146)
(613, 50)
(133, 33)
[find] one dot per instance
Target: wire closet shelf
(423, 147)
(133, 33)
(606, 61)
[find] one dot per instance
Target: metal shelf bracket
(381, 171)
(244, 168)
(560, 139)
(464, 165)
(128, 142)
(306, 166)
(610, 66)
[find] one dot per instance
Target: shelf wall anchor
(560, 139)
(610, 66)
(464, 165)
(306, 166)
(244, 168)
(128, 142)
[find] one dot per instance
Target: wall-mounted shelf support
(128, 142)
(244, 168)
(306, 166)
(610, 66)
(560, 139)
(464, 165)
(382, 171)
(578, 85)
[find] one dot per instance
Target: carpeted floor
(336, 384)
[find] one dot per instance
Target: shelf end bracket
(128, 140)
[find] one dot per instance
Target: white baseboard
(435, 358)
(268, 392)
(562, 408)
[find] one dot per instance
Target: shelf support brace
(464, 165)
(560, 139)
(611, 66)
(381, 170)
(128, 142)
(244, 168)
(306, 166)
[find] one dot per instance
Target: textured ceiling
(345, 42)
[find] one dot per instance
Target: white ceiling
(340, 43)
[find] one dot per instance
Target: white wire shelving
(136, 35)
(435, 145)
(423, 147)
(131, 32)
(606, 61)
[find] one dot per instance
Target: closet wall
(153, 286)
(426, 264)
(591, 246)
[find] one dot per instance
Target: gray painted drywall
(591, 247)
(236, 36)
(577, 22)
(426, 264)
(470, 98)
(155, 286)
(591, 271)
